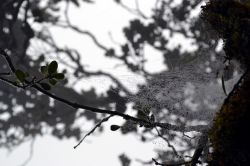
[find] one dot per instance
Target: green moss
(229, 137)
(231, 19)
(229, 134)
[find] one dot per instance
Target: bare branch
(5, 74)
(139, 10)
(79, 68)
(169, 144)
(9, 62)
(93, 130)
(75, 28)
(19, 4)
(26, 12)
(136, 11)
(202, 142)
(171, 164)
(30, 154)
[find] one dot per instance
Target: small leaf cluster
(143, 112)
(21, 75)
(51, 74)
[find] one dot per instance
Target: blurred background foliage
(184, 93)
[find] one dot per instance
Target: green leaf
(20, 75)
(44, 70)
(59, 76)
(52, 81)
(114, 127)
(52, 67)
(45, 86)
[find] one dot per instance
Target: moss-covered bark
(231, 19)
(229, 135)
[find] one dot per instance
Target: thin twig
(30, 154)
(185, 135)
(14, 84)
(144, 162)
(169, 144)
(136, 11)
(9, 62)
(26, 12)
(170, 164)
(70, 25)
(19, 5)
(139, 10)
(93, 130)
(5, 74)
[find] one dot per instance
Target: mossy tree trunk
(230, 135)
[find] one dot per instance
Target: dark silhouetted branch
(93, 130)
(11, 83)
(75, 28)
(30, 154)
(169, 144)
(143, 122)
(135, 11)
(202, 142)
(5, 74)
(171, 164)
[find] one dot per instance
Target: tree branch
(136, 11)
(30, 154)
(93, 130)
(69, 25)
(169, 144)
(5, 74)
(170, 164)
(104, 111)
